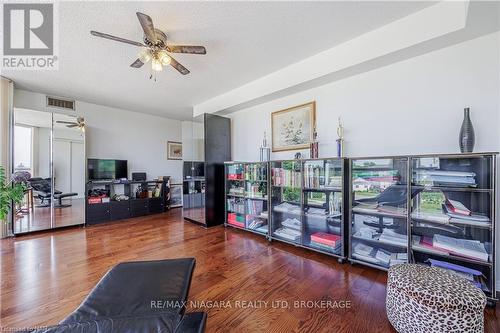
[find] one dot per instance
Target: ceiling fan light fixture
(164, 58)
(156, 65)
(145, 55)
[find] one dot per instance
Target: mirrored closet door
(49, 154)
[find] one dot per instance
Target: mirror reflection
(50, 150)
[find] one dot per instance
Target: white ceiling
(244, 41)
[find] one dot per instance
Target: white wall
(120, 134)
(414, 106)
(411, 107)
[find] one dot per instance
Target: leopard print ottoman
(423, 299)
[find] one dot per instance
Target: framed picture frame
(293, 128)
(174, 150)
(176, 195)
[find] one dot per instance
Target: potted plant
(12, 191)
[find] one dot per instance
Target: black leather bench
(137, 297)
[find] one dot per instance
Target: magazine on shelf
(292, 223)
(456, 207)
(461, 247)
(391, 237)
(287, 233)
(286, 207)
(383, 256)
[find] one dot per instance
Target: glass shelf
(378, 212)
(285, 202)
(452, 215)
(246, 195)
(322, 205)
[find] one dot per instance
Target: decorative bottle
(467, 137)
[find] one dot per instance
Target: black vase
(467, 137)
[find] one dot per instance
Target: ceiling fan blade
(147, 25)
(186, 49)
(137, 64)
(66, 122)
(183, 70)
(118, 39)
(72, 126)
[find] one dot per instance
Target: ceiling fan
(156, 48)
(80, 123)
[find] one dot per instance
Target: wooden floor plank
(45, 276)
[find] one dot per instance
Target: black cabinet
(139, 207)
(98, 213)
(119, 210)
(155, 205)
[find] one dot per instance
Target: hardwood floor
(39, 217)
(45, 276)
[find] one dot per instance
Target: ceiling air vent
(56, 102)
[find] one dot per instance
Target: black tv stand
(112, 210)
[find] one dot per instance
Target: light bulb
(144, 55)
(156, 65)
(164, 58)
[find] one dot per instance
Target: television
(100, 169)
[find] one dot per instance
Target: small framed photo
(174, 150)
(293, 128)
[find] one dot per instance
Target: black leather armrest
(138, 288)
(192, 323)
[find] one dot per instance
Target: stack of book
(256, 190)
(286, 207)
(389, 236)
(290, 230)
(292, 224)
(256, 172)
(459, 213)
(235, 171)
(444, 178)
(255, 223)
(254, 207)
(471, 249)
(365, 253)
(398, 258)
(236, 220)
(237, 190)
(236, 205)
(313, 176)
(383, 257)
(472, 275)
(288, 234)
(325, 241)
(285, 177)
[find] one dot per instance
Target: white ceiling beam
(428, 24)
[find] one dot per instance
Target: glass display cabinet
(246, 187)
(322, 202)
(453, 215)
(286, 201)
(378, 214)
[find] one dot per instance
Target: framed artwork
(174, 150)
(175, 195)
(293, 128)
